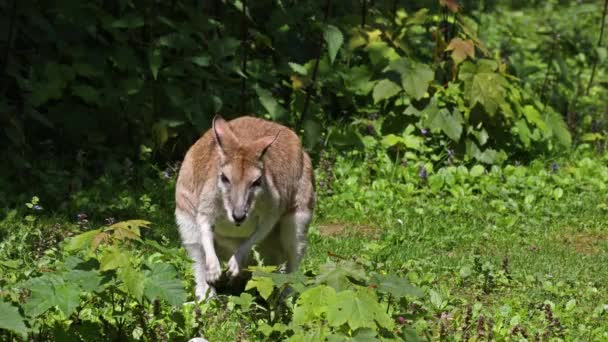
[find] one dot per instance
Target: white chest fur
(224, 228)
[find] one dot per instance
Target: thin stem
(9, 45)
(599, 43)
(315, 70)
(244, 28)
(363, 12)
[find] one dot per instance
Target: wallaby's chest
(224, 228)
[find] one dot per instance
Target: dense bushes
(90, 84)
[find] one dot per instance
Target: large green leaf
(442, 119)
(133, 280)
(161, 281)
(395, 285)
(51, 290)
(114, 258)
(313, 303)
(533, 116)
(358, 309)
(415, 77)
(88, 281)
(271, 105)
(558, 128)
(483, 85)
(358, 80)
(264, 285)
(11, 320)
(82, 241)
(337, 275)
(334, 39)
(385, 89)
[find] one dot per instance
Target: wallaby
(243, 183)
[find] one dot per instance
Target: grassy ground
(507, 253)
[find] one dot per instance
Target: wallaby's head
(241, 172)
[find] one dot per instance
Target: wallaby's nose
(239, 217)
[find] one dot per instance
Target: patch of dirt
(585, 242)
(342, 229)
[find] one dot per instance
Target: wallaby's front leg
(212, 263)
(236, 262)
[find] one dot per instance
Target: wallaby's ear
(262, 144)
(223, 134)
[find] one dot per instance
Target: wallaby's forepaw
(234, 267)
(214, 270)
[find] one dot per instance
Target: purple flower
(554, 167)
(401, 320)
(423, 173)
(424, 131)
(37, 207)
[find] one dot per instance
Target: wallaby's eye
(224, 179)
(257, 182)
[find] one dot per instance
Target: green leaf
(269, 103)
(395, 285)
(114, 258)
(415, 77)
(161, 281)
(155, 58)
(298, 68)
(87, 93)
(87, 280)
(558, 128)
(334, 39)
(385, 89)
(312, 133)
(201, 61)
(51, 290)
(313, 303)
(11, 320)
(358, 309)
(264, 285)
(244, 301)
(337, 275)
(522, 130)
(558, 193)
(533, 117)
(133, 280)
(129, 21)
(477, 171)
(358, 80)
(450, 124)
(436, 299)
(390, 140)
(483, 85)
(82, 241)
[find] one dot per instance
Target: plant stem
(599, 43)
(314, 72)
(244, 28)
(363, 12)
(9, 45)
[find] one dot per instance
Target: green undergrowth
(398, 250)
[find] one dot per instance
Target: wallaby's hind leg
(294, 233)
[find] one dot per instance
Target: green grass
(517, 252)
